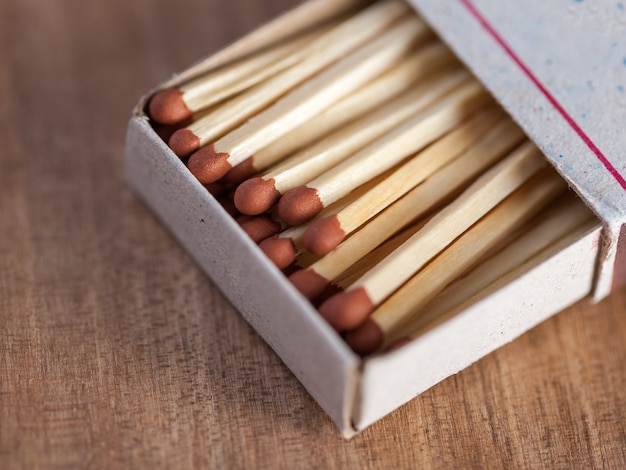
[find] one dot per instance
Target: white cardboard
(559, 68)
(306, 344)
(451, 346)
(354, 398)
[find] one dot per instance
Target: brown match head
(243, 218)
(323, 235)
(256, 196)
(208, 165)
(347, 310)
(289, 270)
(260, 228)
(241, 172)
(279, 250)
(216, 189)
(169, 107)
(184, 142)
(165, 131)
(226, 201)
(365, 339)
(299, 205)
(309, 283)
(331, 289)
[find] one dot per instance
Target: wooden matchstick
(325, 234)
(283, 248)
(319, 53)
(259, 228)
(413, 205)
(309, 286)
(260, 194)
(300, 105)
(303, 203)
(387, 320)
(175, 105)
(426, 60)
(349, 309)
(361, 266)
(563, 220)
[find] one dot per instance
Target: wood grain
(115, 351)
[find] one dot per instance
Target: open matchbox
(559, 69)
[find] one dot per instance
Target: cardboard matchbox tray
(548, 81)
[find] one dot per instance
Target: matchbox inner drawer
(353, 392)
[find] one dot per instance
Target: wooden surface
(115, 351)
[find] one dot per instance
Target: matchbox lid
(559, 69)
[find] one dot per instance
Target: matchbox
(355, 392)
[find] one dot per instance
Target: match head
(331, 289)
(227, 204)
(309, 283)
(216, 189)
(184, 142)
(279, 250)
(256, 196)
(299, 205)
(260, 228)
(165, 131)
(241, 172)
(323, 235)
(169, 107)
(347, 310)
(243, 218)
(365, 339)
(208, 165)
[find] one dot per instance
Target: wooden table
(116, 351)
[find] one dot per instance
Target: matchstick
(303, 203)
(259, 194)
(320, 53)
(349, 309)
(325, 234)
(300, 105)
(567, 217)
(175, 105)
(259, 228)
(387, 320)
(361, 266)
(283, 248)
(314, 291)
(432, 192)
(426, 60)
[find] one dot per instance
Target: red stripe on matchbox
(507, 48)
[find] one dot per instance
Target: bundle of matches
(373, 169)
